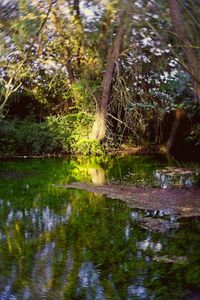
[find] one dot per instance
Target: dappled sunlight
(99, 149)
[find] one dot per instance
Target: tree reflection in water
(69, 244)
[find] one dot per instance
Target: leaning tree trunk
(179, 114)
(99, 127)
(193, 61)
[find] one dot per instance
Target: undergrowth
(56, 134)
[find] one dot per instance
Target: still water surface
(68, 244)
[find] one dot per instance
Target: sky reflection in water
(69, 244)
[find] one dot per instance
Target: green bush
(7, 136)
(57, 134)
(88, 146)
(26, 137)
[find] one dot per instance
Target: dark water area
(57, 243)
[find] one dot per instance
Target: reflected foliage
(69, 244)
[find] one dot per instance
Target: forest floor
(184, 202)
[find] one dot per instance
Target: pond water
(57, 243)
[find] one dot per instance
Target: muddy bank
(179, 201)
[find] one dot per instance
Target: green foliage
(7, 136)
(47, 228)
(79, 126)
(58, 58)
(84, 92)
(88, 146)
(194, 135)
(29, 137)
(173, 93)
(56, 134)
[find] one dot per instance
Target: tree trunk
(179, 114)
(193, 61)
(99, 127)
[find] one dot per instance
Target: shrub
(56, 134)
(88, 146)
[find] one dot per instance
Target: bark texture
(99, 127)
(179, 114)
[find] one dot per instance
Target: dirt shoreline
(174, 201)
